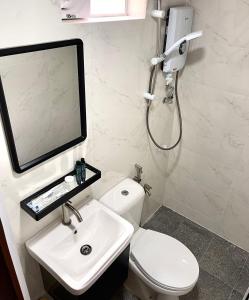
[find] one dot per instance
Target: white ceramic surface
(166, 260)
(126, 199)
(162, 262)
(57, 247)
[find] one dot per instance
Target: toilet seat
(165, 262)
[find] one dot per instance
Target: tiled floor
(224, 268)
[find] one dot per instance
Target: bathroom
(199, 191)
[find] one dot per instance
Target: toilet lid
(166, 260)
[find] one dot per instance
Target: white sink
(57, 247)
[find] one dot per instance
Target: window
(107, 8)
(91, 11)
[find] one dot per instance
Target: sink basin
(59, 249)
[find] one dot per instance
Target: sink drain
(86, 249)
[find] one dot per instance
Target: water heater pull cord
(153, 71)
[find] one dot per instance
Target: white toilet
(160, 262)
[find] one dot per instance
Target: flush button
(125, 193)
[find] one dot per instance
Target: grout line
(237, 279)
(214, 236)
(205, 251)
(150, 217)
(230, 294)
(207, 229)
(247, 260)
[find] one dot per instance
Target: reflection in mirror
(44, 99)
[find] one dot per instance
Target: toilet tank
(126, 199)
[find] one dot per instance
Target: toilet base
(138, 288)
(166, 297)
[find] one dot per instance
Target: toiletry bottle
(78, 172)
(83, 170)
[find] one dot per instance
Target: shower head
(181, 41)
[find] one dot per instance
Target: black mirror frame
(4, 109)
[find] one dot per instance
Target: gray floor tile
(235, 296)
(195, 237)
(224, 271)
(164, 221)
(224, 261)
(208, 288)
(242, 283)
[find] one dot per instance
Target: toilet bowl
(161, 262)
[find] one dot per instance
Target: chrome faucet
(65, 214)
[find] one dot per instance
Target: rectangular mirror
(42, 100)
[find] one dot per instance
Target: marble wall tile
(207, 175)
(241, 24)
(198, 184)
(235, 219)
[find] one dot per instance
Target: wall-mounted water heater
(177, 38)
(179, 25)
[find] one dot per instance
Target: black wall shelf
(63, 199)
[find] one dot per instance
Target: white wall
(117, 58)
(13, 251)
(208, 175)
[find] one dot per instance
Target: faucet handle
(147, 189)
